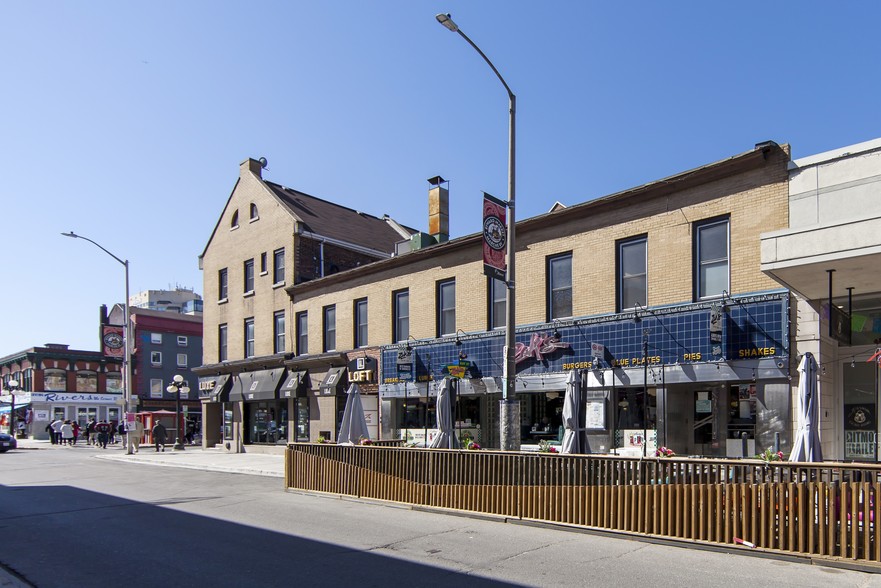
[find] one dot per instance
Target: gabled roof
(338, 222)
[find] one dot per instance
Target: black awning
(334, 381)
(262, 384)
(236, 389)
(214, 388)
(296, 386)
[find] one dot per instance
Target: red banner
(495, 237)
(112, 341)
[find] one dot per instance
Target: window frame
(249, 340)
(278, 267)
(445, 312)
(156, 338)
(620, 278)
(400, 334)
(551, 288)
(359, 323)
(222, 342)
(253, 213)
(302, 319)
(699, 265)
(248, 276)
(156, 358)
(185, 360)
(223, 285)
(278, 331)
(328, 330)
(263, 267)
(492, 301)
(157, 385)
(183, 341)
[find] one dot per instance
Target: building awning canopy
(334, 381)
(261, 384)
(295, 386)
(214, 388)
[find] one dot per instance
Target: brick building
(653, 297)
(269, 237)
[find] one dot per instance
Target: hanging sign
(495, 237)
(404, 364)
(716, 329)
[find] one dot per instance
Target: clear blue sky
(126, 121)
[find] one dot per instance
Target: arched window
(254, 214)
(54, 380)
(86, 381)
(235, 220)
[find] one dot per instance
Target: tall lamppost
(177, 387)
(11, 386)
(510, 410)
(127, 389)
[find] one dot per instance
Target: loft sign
(362, 370)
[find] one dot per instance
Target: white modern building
(180, 300)
(830, 257)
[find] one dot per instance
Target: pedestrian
(137, 435)
(51, 433)
(66, 433)
(160, 435)
(191, 431)
(76, 431)
(112, 439)
(121, 431)
(102, 429)
(90, 431)
(56, 430)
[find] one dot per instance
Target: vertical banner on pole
(495, 237)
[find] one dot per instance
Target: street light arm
(98, 245)
(489, 63)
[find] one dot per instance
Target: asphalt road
(70, 520)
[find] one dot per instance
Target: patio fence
(826, 510)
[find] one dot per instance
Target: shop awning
(296, 385)
(8, 407)
(333, 381)
(262, 384)
(214, 388)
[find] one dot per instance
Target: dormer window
(254, 215)
(234, 223)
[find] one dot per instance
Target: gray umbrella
(354, 425)
(806, 445)
(446, 434)
(572, 437)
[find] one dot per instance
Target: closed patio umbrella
(574, 439)
(446, 435)
(354, 425)
(806, 445)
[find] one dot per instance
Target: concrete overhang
(800, 258)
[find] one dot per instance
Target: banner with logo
(112, 341)
(495, 237)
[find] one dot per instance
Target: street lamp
(127, 368)
(178, 387)
(509, 426)
(11, 386)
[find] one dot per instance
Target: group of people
(102, 433)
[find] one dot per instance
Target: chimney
(439, 209)
(255, 166)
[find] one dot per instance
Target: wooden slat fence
(825, 510)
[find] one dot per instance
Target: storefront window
(267, 422)
(636, 420)
(227, 421)
(860, 411)
(302, 407)
(86, 414)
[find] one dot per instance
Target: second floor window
(632, 275)
(401, 318)
(361, 323)
(249, 337)
(221, 343)
(560, 286)
(711, 258)
(181, 360)
(156, 358)
(446, 308)
(497, 306)
(222, 284)
(278, 332)
(329, 328)
(302, 333)
(278, 266)
(249, 276)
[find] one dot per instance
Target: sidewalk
(193, 457)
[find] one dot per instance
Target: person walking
(160, 435)
(56, 430)
(51, 433)
(102, 429)
(121, 430)
(67, 433)
(76, 431)
(137, 435)
(90, 431)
